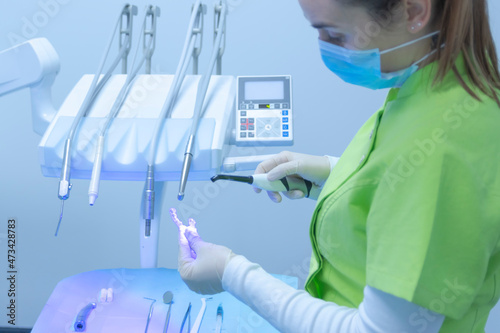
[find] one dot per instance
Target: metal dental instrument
(194, 34)
(199, 318)
(60, 217)
(220, 314)
(83, 315)
(186, 316)
(149, 200)
(147, 53)
(283, 185)
(150, 313)
(95, 88)
(168, 298)
(202, 91)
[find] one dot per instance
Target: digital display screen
(264, 90)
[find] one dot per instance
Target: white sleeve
(293, 311)
(333, 161)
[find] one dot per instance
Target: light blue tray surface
(129, 310)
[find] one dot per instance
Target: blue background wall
(263, 37)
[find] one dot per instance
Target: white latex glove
(316, 169)
(201, 264)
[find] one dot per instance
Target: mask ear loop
(410, 42)
(426, 57)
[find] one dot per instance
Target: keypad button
(243, 120)
(251, 120)
(285, 127)
(251, 106)
(285, 119)
(243, 135)
(276, 106)
(285, 106)
(243, 127)
(251, 135)
(243, 113)
(285, 134)
(251, 127)
(243, 107)
(284, 112)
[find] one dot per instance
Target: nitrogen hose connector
(149, 200)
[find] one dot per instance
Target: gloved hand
(201, 264)
(316, 169)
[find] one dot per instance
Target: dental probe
(283, 185)
(150, 313)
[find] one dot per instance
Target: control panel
(264, 113)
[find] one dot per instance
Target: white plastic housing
(127, 144)
(32, 64)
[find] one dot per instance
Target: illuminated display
(264, 90)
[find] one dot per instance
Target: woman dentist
(415, 198)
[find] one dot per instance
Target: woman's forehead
(332, 13)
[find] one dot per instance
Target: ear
(418, 14)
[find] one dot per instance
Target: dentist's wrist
(333, 161)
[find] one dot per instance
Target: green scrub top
(413, 206)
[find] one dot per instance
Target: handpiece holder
(222, 47)
(152, 14)
(198, 30)
(126, 29)
(33, 64)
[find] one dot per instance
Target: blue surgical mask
(362, 67)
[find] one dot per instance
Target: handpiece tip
(180, 196)
(92, 199)
(60, 218)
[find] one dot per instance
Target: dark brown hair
(464, 29)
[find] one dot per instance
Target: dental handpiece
(186, 166)
(96, 172)
(83, 315)
(149, 200)
(64, 182)
(64, 185)
(283, 185)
